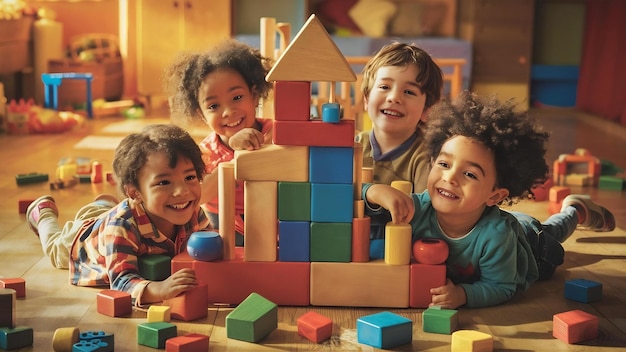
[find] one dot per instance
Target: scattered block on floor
(558, 193)
(190, 305)
(22, 205)
(541, 191)
(91, 346)
(14, 338)
(155, 334)
(575, 326)
(154, 267)
(470, 340)
(7, 307)
(440, 321)
(611, 183)
(64, 338)
(253, 319)
(187, 343)
(18, 284)
(114, 303)
(100, 336)
(315, 327)
(384, 330)
(159, 313)
(582, 290)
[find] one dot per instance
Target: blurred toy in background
(12, 10)
(24, 117)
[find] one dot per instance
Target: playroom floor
(524, 324)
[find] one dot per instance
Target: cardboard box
(15, 36)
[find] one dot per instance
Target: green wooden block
(294, 201)
(611, 183)
(18, 337)
(33, 177)
(253, 319)
(331, 242)
(440, 321)
(155, 334)
(155, 267)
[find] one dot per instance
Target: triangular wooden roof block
(312, 56)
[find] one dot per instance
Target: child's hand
(181, 281)
(399, 204)
(246, 139)
(449, 296)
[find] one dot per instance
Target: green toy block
(155, 334)
(253, 319)
(611, 183)
(18, 337)
(155, 267)
(440, 321)
(33, 177)
(331, 242)
(294, 201)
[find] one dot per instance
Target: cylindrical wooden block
(430, 251)
(226, 200)
(367, 174)
(359, 208)
(397, 244)
(361, 239)
(64, 339)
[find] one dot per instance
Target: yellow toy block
(470, 340)
(159, 313)
(66, 172)
(398, 244)
(64, 338)
(261, 219)
(273, 163)
(359, 284)
(404, 186)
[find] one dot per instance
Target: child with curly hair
(222, 87)
(159, 170)
(484, 153)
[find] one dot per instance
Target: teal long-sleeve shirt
(492, 262)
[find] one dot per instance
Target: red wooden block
(23, 204)
(554, 207)
(558, 193)
(187, 343)
(575, 326)
(292, 101)
(109, 177)
(541, 191)
(361, 239)
(191, 305)
(96, 172)
(314, 133)
(114, 303)
(232, 281)
(422, 278)
(315, 327)
(18, 284)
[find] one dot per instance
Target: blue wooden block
(582, 290)
(155, 334)
(294, 241)
(14, 338)
(331, 242)
(384, 330)
(331, 202)
(94, 345)
(331, 112)
(331, 164)
(440, 321)
(99, 335)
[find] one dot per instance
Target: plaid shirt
(106, 248)
(215, 152)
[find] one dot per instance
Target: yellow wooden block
(158, 313)
(66, 172)
(578, 180)
(64, 338)
(398, 244)
(470, 340)
(404, 186)
(260, 221)
(359, 284)
(273, 163)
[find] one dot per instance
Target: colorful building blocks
(384, 330)
(156, 267)
(7, 308)
(314, 326)
(187, 343)
(64, 338)
(585, 166)
(611, 183)
(14, 338)
(191, 305)
(101, 336)
(17, 283)
(575, 326)
(114, 303)
(471, 341)
(155, 334)
(91, 346)
(581, 290)
(33, 177)
(253, 319)
(22, 205)
(440, 321)
(158, 313)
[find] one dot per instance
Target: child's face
(228, 105)
(396, 102)
(462, 179)
(169, 195)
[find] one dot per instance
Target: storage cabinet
(167, 27)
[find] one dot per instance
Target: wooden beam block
(314, 133)
(292, 101)
(253, 319)
(226, 204)
(314, 326)
(423, 277)
(362, 284)
(384, 330)
(575, 326)
(261, 220)
(273, 163)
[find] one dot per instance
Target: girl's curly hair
(517, 141)
(183, 77)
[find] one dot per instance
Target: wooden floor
(524, 324)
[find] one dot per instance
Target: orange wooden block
(22, 205)
(18, 284)
(314, 133)
(423, 277)
(315, 327)
(558, 193)
(232, 281)
(554, 208)
(191, 305)
(361, 239)
(575, 326)
(292, 101)
(187, 343)
(114, 303)
(541, 191)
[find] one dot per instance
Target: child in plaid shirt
(159, 171)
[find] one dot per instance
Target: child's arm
(246, 139)
(449, 296)
(399, 204)
(181, 281)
